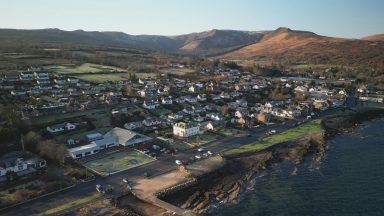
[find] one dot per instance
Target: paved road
(162, 165)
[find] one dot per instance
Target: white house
(20, 163)
(61, 127)
(149, 122)
(150, 104)
(182, 129)
(167, 100)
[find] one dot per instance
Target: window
(20, 167)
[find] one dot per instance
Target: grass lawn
(118, 161)
(292, 134)
(227, 132)
(202, 139)
(74, 203)
(180, 145)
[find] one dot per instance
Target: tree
(224, 109)
(52, 150)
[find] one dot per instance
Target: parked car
(125, 180)
(185, 161)
(178, 162)
(210, 153)
(200, 149)
(100, 188)
(198, 157)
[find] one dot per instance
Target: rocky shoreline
(227, 185)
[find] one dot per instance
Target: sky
(337, 18)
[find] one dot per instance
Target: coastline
(227, 185)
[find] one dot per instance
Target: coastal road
(162, 165)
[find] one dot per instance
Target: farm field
(119, 161)
(84, 68)
(178, 71)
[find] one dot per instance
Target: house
(201, 97)
(214, 116)
(20, 163)
(183, 129)
(191, 99)
(215, 125)
(127, 137)
(133, 125)
(263, 117)
(192, 89)
(240, 113)
(167, 100)
(175, 116)
(150, 104)
(149, 122)
(61, 127)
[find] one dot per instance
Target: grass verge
(291, 134)
(72, 204)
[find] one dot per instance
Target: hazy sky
(341, 18)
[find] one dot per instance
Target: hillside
(286, 45)
(281, 45)
(215, 41)
(376, 37)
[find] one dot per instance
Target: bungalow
(150, 104)
(241, 113)
(133, 125)
(214, 116)
(149, 122)
(167, 100)
(201, 97)
(180, 100)
(215, 125)
(175, 116)
(191, 99)
(61, 127)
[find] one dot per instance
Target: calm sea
(348, 181)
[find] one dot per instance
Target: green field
(117, 162)
(72, 204)
(292, 134)
(178, 71)
(84, 68)
(44, 120)
(100, 77)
